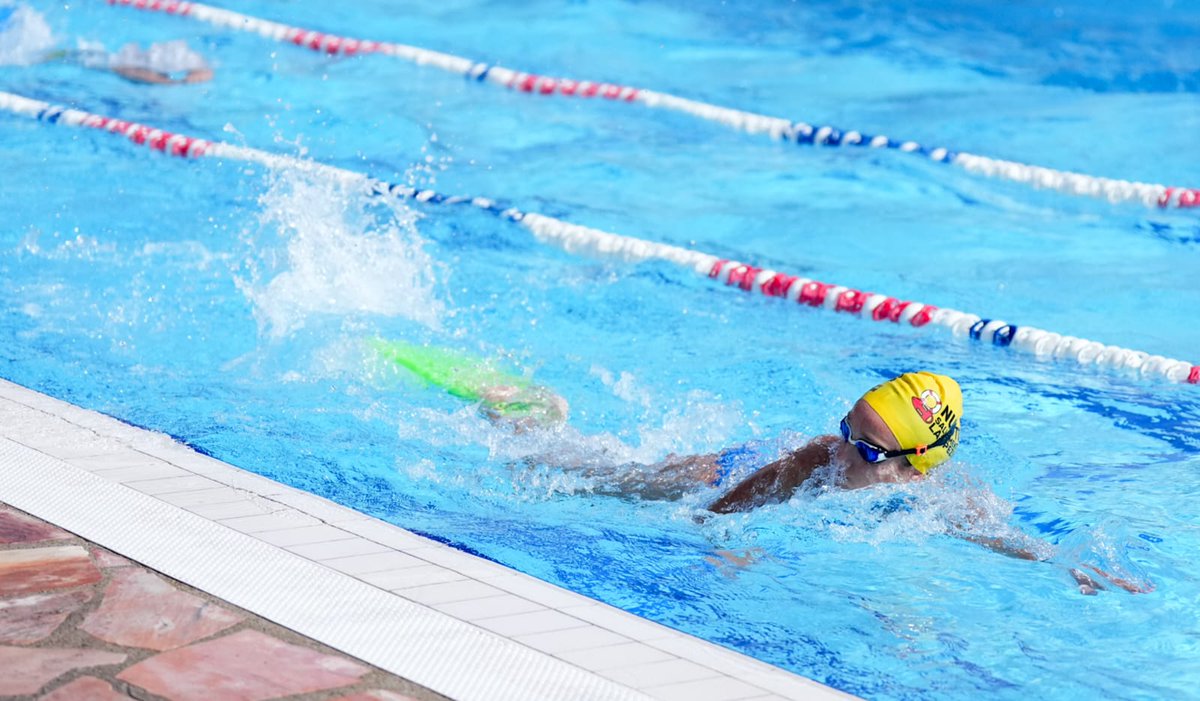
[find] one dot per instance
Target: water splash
(547, 462)
(339, 258)
(25, 38)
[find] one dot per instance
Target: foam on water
(25, 37)
(319, 250)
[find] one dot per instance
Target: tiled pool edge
(460, 625)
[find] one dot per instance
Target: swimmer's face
(866, 425)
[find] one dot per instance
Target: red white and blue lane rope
(585, 241)
(1115, 191)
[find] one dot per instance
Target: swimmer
(897, 432)
(165, 63)
(26, 39)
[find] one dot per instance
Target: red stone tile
(106, 560)
(86, 689)
(18, 527)
(141, 609)
(39, 569)
(27, 669)
(376, 695)
(244, 666)
(28, 619)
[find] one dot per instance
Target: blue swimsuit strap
(727, 460)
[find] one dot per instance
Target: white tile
(275, 521)
(542, 592)
(560, 641)
(322, 508)
(794, 686)
(192, 461)
(719, 658)
(353, 545)
(719, 689)
(302, 535)
(241, 479)
(145, 471)
(216, 512)
(464, 590)
(400, 580)
(170, 485)
(459, 561)
(110, 461)
(388, 534)
(530, 622)
(660, 673)
(618, 621)
(613, 656)
(491, 607)
(182, 456)
(82, 445)
(373, 562)
(215, 495)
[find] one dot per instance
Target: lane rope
(585, 241)
(801, 133)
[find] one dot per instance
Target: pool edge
(409, 605)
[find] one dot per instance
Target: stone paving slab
(78, 622)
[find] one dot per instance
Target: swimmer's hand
(1089, 586)
(729, 561)
(524, 407)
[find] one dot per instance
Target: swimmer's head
(924, 412)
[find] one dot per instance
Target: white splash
(337, 258)
(545, 462)
(25, 38)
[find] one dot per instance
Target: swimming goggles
(874, 454)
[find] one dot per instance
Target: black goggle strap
(922, 449)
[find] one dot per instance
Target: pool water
(229, 306)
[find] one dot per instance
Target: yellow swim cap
(920, 408)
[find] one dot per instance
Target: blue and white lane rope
(585, 241)
(1113, 190)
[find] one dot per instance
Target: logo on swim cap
(928, 404)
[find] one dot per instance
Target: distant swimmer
(165, 63)
(25, 39)
(897, 432)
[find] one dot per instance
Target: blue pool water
(227, 306)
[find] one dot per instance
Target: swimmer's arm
(778, 480)
(1003, 547)
(145, 75)
(1087, 585)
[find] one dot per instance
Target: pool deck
(254, 565)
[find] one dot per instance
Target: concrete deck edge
(460, 625)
